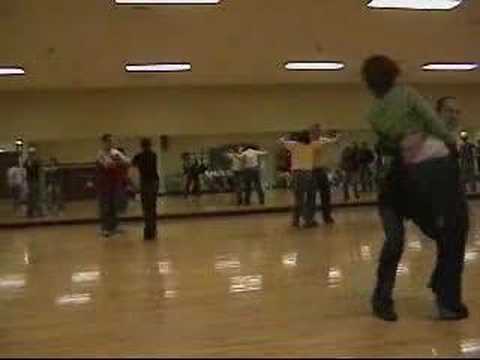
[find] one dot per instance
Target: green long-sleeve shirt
(401, 112)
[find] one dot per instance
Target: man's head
(107, 142)
(146, 144)
(448, 109)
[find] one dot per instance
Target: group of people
(36, 186)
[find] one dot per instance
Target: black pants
(108, 200)
(34, 206)
(238, 186)
(149, 194)
(192, 185)
(252, 178)
(351, 179)
(304, 193)
(323, 187)
(366, 178)
(438, 206)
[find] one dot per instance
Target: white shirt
(250, 158)
(107, 158)
(237, 164)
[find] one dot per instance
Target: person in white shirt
(303, 151)
(251, 173)
(237, 167)
(16, 177)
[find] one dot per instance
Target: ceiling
(86, 43)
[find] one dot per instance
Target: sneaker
(385, 312)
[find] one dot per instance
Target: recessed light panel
(177, 67)
(450, 67)
(11, 71)
(415, 4)
(314, 66)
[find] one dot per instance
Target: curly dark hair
(380, 73)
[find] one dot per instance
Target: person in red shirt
(110, 169)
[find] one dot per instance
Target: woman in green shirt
(420, 182)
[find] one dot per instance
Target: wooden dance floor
(223, 287)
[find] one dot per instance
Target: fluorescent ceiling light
(159, 67)
(8, 71)
(311, 65)
(450, 66)
(167, 2)
(415, 4)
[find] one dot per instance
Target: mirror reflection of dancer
(303, 152)
(192, 170)
(320, 177)
(251, 173)
(421, 181)
(146, 163)
(237, 169)
(110, 165)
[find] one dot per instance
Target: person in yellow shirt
(302, 151)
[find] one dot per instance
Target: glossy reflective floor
(170, 205)
(223, 287)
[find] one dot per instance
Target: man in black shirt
(146, 163)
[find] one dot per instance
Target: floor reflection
(223, 287)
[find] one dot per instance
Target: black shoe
(311, 224)
(384, 311)
(296, 224)
(453, 315)
(329, 220)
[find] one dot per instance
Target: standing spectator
(33, 172)
(123, 194)
(350, 166)
(250, 158)
(237, 167)
(320, 177)
(365, 160)
(53, 182)
(110, 163)
(146, 163)
(16, 183)
(467, 162)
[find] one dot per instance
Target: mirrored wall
(197, 174)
